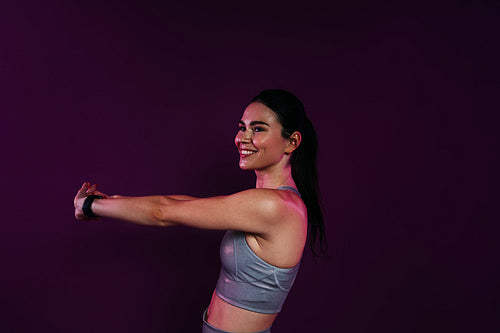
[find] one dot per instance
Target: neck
(275, 177)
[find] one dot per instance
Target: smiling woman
(260, 141)
(267, 226)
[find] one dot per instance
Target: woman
(267, 226)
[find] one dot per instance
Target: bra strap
(289, 188)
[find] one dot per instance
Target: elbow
(158, 216)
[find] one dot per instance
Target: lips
(246, 152)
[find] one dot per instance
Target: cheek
(266, 141)
(263, 143)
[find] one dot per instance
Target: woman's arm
(133, 216)
(175, 196)
(256, 210)
(140, 210)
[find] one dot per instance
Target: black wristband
(87, 204)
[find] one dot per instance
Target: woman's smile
(245, 153)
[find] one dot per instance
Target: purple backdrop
(144, 98)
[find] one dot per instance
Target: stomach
(231, 318)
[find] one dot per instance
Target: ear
(293, 142)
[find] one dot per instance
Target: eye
(258, 129)
(242, 129)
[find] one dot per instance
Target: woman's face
(259, 140)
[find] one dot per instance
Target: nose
(246, 136)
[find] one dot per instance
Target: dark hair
(291, 114)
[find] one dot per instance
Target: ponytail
(305, 175)
(291, 114)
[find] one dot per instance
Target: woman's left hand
(80, 197)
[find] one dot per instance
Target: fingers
(84, 187)
(82, 217)
(87, 188)
(85, 191)
(91, 188)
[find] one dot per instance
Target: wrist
(87, 205)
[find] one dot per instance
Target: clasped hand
(80, 197)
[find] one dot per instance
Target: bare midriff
(227, 317)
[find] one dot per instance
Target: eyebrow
(255, 122)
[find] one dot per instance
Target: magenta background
(144, 98)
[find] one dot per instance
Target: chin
(245, 167)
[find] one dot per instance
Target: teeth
(247, 152)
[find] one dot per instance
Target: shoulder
(262, 196)
(270, 204)
(268, 200)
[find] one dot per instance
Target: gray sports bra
(247, 281)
